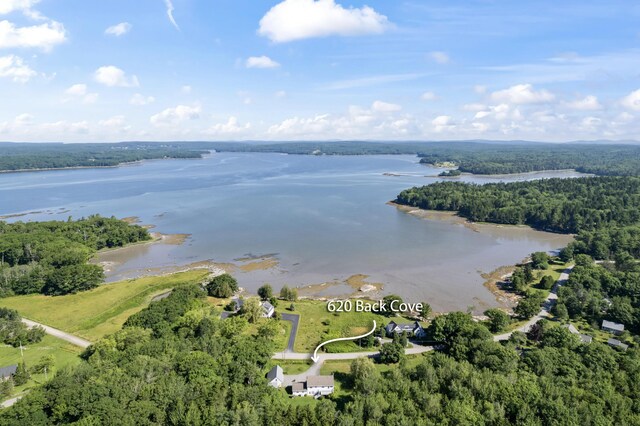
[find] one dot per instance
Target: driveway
(295, 320)
(74, 340)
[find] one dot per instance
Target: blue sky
(74, 70)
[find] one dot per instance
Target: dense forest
(177, 363)
(51, 257)
(560, 205)
(56, 156)
(595, 292)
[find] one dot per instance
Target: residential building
(275, 377)
(615, 343)
(315, 386)
(8, 371)
(585, 338)
(612, 327)
(413, 329)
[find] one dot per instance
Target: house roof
(586, 338)
(267, 306)
(571, 329)
(276, 373)
(612, 325)
(297, 387)
(617, 343)
(8, 371)
(319, 381)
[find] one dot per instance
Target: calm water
(325, 218)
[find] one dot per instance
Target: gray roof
(318, 381)
(297, 387)
(276, 373)
(586, 338)
(8, 371)
(617, 343)
(612, 325)
(267, 306)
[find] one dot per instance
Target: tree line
(51, 257)
(559, 205)
(56, 156)
(177, 363)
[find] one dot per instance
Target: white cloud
(522, 94)
(8, 6)
(113, 122)
(118, 30)
(379, 106)
(112, 76)
(176, 115)
(371, 81)
(186, 89)
(81, 91)
(43, 36)
(231, 127)
(440, 57)
(261, 62)
(443, 123)
(280, 94)
(429, 96)
(299, 19)
(170, 9)
(632, 100)
(77, 90)
(63, 127)
(13, 67)
(588, 103)
(141, 100)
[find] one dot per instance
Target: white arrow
(315, 356)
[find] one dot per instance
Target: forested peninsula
(51, 257)
(558, 205)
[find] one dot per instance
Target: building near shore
(7, 372)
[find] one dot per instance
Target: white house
(267, 309)
(275, 377)
(584, 338)
(315, 386)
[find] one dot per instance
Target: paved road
(74, 340)
(314, 369)
(545, 312)
(295, 319)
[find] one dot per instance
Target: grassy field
(65, 354)
(95, 313)
(293, 366)
(317, 324)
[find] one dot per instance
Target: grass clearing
(317, 325)
(95, 313)
(65, 354)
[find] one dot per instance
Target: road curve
(74, 340)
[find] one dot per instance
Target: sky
(277, 70)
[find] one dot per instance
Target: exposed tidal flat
(319, 223)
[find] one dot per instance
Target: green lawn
(65, 354)
(293, 366)
(95, 313)
(317, 325)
